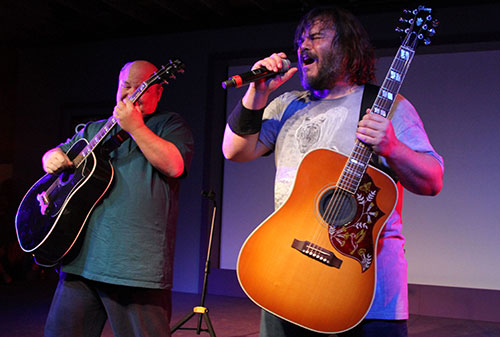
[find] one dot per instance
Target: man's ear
(160, 91)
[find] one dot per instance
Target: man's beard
(330, 71)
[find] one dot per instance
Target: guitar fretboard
(361, 154)
(87, 150)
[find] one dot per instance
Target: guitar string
(334, 207)
(361, 152)
(356, 164)
(326, 216)
(336, 202)
(340, 198)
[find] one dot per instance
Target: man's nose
(305, 44)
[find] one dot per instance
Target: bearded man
(336, 64)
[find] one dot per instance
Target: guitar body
(50, 232)
(310, 269)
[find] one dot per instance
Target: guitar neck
(360, 156)
(96, 140)
(392, 82)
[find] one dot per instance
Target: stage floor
(24, 306)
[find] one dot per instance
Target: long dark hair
(350, 36)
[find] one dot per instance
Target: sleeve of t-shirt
(409, 129)
(176, 131)
(273, 118)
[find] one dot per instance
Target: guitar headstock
(419, 24)
(159, 77)
(167, 72)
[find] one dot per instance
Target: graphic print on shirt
(320, 130)
(309, 132)
(305, 132)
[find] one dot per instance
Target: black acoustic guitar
(52, 215)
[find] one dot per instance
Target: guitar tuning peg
(427, 41)
(399, 29)
(435, 23)
(431, 32)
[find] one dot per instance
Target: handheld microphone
(237, 81)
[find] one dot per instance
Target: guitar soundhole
(337, 207)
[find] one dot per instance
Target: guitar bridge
(317, 253)
(44, 202)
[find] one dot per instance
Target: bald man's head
(131, 77)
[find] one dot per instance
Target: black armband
(243, 121)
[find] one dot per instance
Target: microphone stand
(201, 309)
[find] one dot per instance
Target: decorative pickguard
(355, 238)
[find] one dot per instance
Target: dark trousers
(80, 308)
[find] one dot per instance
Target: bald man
(123, 271)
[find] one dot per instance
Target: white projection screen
(451, 239)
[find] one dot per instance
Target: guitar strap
(114, 142)
(369, 95)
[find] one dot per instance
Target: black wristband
(243, 121)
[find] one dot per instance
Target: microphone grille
(286, 65)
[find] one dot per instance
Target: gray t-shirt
(294, 124)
